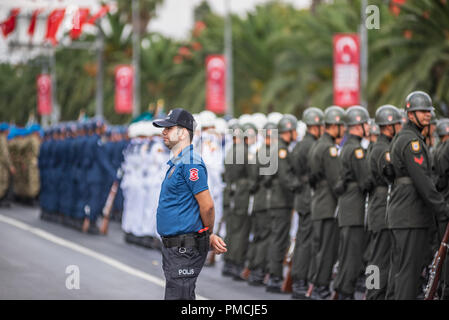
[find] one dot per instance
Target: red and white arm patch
(193, 174)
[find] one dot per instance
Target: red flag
(346, 69)
(101, 13)
(216, 83)
(79, 19)
(53, 22)
(9, 24)
(32, 25)
(44, 94)
(124, 89)
(395, 6)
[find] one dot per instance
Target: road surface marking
(88, 252)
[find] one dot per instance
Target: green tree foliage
(282, 59)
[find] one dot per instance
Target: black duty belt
(403, 180)
(381, 189)
(188, 240)
(351, 184)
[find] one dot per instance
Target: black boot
(320, 293)
(227, 269)
(237, 273)
(299, 289)
(256, 277)
(274, 284)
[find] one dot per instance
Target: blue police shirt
(178, 211)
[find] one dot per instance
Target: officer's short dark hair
(190, 134)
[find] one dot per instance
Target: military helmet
(233, 124)
(388, 114)
(249, 129)
(418, 101)
(270, 125)
(334, 115)
(373, 128)
(356, 115)
(433, 118)
(313, 116)
(287, 123)
(443, 127)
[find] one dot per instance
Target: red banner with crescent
(124, 89)
(216, 83)
(44, 106)
(346, 69)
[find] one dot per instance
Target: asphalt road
(45, 260)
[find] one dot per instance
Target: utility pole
(363, 55)
(55, 114)
(100, 73)
(136, 57)
(228, 58)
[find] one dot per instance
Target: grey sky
(175, 17)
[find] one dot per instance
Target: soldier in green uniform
(31, 154)
(325, 166)
(353, 185)
(389, 120)
(237, 219)
(282, 185)
(230, 175)
(261, 219)
(441, 161)
(413, 197)
(302, 255)
(243, 199)
(6, 166)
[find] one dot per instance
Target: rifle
(109, 203)
(437, 264)
(287, 283)
(86, 222)
(108, 207)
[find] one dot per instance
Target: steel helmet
(388, 114)
(334, 115)
(418, 101)
(313, 116)
(356, 115)
(287, 123)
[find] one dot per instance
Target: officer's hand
(253, 189)
(340, 188)
(388, 172)
(217, 244)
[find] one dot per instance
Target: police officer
(324, 165)
(302, 256)
(185, 214)
(441, 161)
(413, 195)
(283, 184)
(389, 120)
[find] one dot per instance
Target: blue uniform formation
(78, 162)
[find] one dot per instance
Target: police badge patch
(416, 147)
(193, 174)
(333, 152)
(282, 153)
(359, 153)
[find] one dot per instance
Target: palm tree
(418, 54)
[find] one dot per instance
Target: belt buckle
(182, 250)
